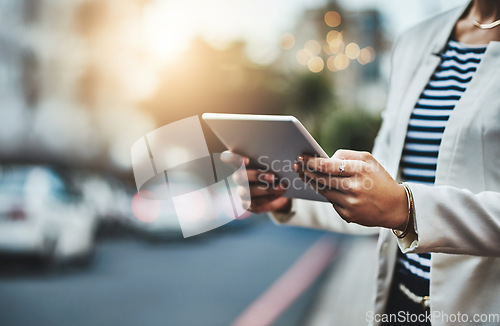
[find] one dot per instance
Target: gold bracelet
(409, 220)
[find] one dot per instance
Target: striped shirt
(425, 130)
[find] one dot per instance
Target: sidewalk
(347, 293)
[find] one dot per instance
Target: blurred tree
(310, 92)
(310, 98)
(349, 130)
(210, 80)
(206, 79)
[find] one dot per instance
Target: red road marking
(286, 289)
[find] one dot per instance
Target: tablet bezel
(263, 117)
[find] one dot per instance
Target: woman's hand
(359, 188)
(264, 193)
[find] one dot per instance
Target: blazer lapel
(467, 107)
(421, 76)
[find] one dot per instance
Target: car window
(12, 181)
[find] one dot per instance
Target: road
(207, 280)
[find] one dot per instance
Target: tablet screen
(272, 142)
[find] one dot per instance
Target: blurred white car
(159, 218)
(155, 219)
(154, 215)
(43, 215)
(106, 195)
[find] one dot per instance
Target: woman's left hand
(359, 188)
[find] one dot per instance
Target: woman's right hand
(264, 194)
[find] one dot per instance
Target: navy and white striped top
(425, 130)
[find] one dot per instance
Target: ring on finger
(342, 167)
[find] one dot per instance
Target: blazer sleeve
(319, 215)
(454, 221)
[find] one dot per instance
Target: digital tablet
(272, 142)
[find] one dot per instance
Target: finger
(334, 196)
(267, 204)
(256, 204)
(274, 204)
(259, 202)
(260, 190)
(346, 154)
(233, 159)
(322, 180)
(243, 193)
(263, 177)
(343, 212)
(341, 184)
(241, 177)
(318, 177)
(331, 166)
(266, 190)
(254, 176)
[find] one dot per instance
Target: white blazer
(457, 219)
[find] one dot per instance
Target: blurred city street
(209, 280)
(83, 81)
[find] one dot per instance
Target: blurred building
(348, 47)
(70, 74)
(81, 80)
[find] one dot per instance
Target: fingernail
(269, 177)
(300, 158)
(295, 167)
(246, 161)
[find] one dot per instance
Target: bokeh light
(303, 56)
(316, 64)
(145, 210)
(366, 55)
(337, 46)
(341, 62)
(352, 51)
(372, 52)
(287, 41)
(313, 46)
(332, 18)
(326, 47)
(333, 35)
(330, 63)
